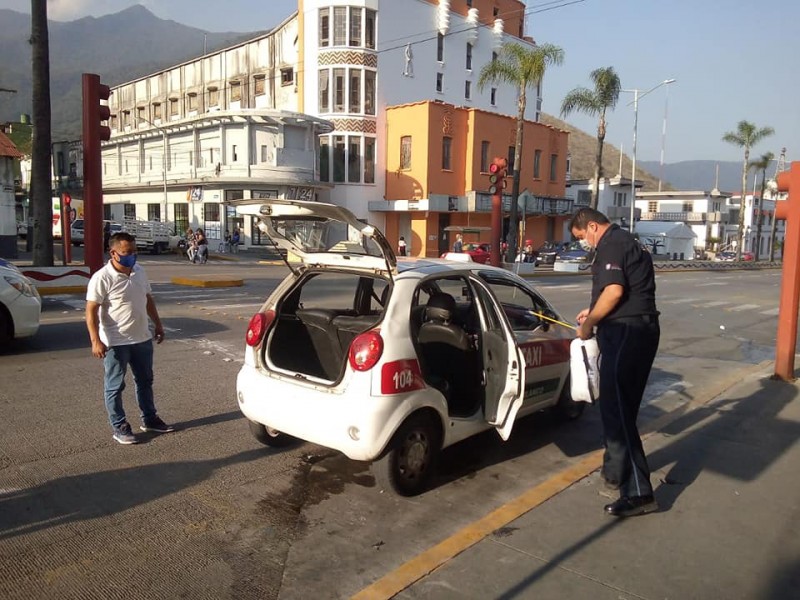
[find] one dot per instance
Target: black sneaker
(124, 435)
(632, 506)
(156, 425)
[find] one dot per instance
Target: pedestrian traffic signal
(67, 200)
(95, 113)
(497, 175)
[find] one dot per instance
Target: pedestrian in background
(191, 245)
(458, 246)
(236, 239)
(623, 309)
(202, 247)
(118, 304)
(401, 246)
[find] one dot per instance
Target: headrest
(440, 307)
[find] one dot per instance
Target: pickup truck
(153, 236)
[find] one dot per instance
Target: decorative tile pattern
(348, 57)
(359, 125)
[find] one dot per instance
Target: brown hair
(584, 216)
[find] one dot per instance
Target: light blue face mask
(126, 260)
(586, 245)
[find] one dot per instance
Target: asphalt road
(206, 512)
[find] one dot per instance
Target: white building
(613, 199)
(755, 241)
(333, 62)
(8, 219)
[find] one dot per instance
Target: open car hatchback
(390, 361)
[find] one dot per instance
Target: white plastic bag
(584, 367)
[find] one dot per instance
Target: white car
(20, 306)
(389, 360)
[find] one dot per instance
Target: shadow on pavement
(96, 495)
(210, 420)
(749, 421)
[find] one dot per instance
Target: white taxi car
(390, 360)
(20, 305)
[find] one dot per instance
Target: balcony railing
(693, 217)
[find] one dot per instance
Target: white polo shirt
(123, 305)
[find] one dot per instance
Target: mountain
(118, 47)
(701, 174)
(582, 148)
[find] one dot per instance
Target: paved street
(207, 512)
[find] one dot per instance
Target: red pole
(789, 209)
(497, 227)
(93, 133)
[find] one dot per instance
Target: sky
(727, 58)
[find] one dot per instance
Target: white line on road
(742, 307)
(772, 312)
(229, 306)
(684, 300)
(711, 283)
(711, 304)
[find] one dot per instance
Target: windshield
(315, 235)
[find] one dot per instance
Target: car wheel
(567, 408)
(269, 436)
(406, 465)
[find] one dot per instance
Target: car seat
(444, 349)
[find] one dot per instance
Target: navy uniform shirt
(620, 259)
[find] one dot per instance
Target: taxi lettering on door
(546, 353)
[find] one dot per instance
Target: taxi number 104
(401, 376)
(403, 379)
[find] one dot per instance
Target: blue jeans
(140, 358)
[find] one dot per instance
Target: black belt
(634, 319)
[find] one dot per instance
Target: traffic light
(94, 132)
(94, 113)
(497, 175)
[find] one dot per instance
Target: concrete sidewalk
(725, 475)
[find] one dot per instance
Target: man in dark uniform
(623, 309)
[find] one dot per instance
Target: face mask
(127, 260)
(586, 245)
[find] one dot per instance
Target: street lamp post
(163, 164)
(637, 93)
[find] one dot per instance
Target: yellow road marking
(207, 282)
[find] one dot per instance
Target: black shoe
(156, 425)
(632, 506)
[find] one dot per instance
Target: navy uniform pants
(627, 348)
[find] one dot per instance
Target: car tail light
(258, 326)
(366, 350)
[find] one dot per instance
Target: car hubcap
(415, 456)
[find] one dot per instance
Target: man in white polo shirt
(118, 304)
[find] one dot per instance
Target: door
(504, 377)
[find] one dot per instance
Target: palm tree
(41, 186)
(595, 103)
(523, 67)
(761, 165)
(746, 136)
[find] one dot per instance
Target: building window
(260, 84)
(652, 206)
(287, 76)
(469, 56)
(493, 96)
(355, 26)
(439, 82)
(113, 122)
(339, 26)
(355, 90)
(324, 27)
(140, 116)
(213, 96)
(211, 222)
(467, 90)
(537, 164)
(584, 198)
(153, 211)
(484, 157)
(620, 199)
(369, 92)
(324, 93)
(191, 158)
(553, 167)
(369, 29)
(338, 158)
(236, 91)
(156, 111)
(263, 153)
(510, 159)
(234, 153)
(440, 47)
(173, 107)
(129, 211)
(324, 159)
(687, 207)
(369, 160)
(338, 90)
(180, 215)
(354, 160)
(191, 101)
(405, 152)
(447, 148)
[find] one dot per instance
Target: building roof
(7, 147)
(670, 229)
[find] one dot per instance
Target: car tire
(567, 408)
(269, 436)
(6, 327)
(408, 462)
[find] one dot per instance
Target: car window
(521, 305)
(331, 291)
(466, 314)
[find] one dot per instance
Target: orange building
(437, 163)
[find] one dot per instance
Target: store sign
(264, 194)
(300, 193)
(194, 194)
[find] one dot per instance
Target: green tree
(761, 165)
(41, 192)
(523, 67)
(595, 103)
(746, 136)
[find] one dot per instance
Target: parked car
(387, 361)
(730, 255)
(20, 306)
(479, 253)
(76, 232)
(748, 256)
(573, 252)
(546, 254)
